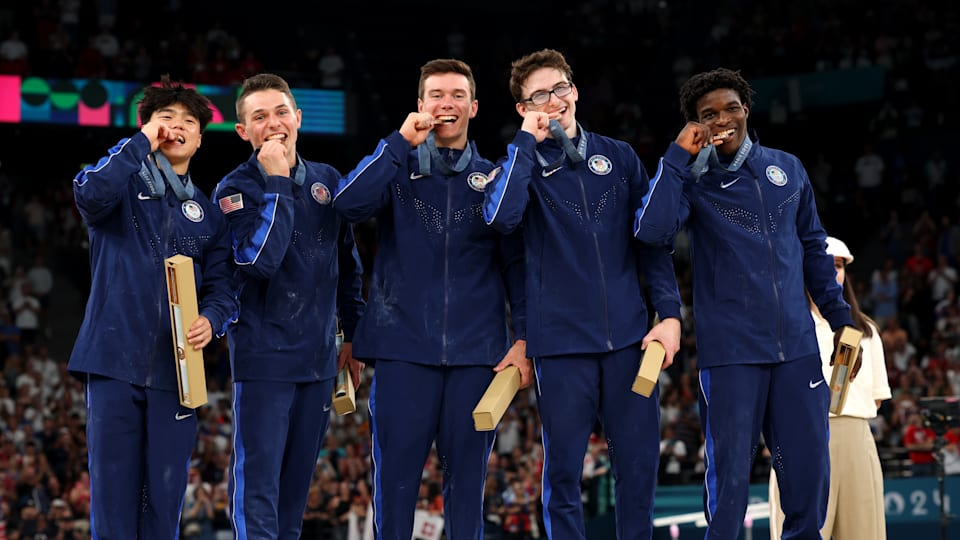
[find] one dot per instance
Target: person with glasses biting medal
(573, 193)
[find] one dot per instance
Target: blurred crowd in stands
(886, 180)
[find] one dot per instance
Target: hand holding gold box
(649, 371)
(844, 358)
(494, 402)
(344, 396)
(182, 296)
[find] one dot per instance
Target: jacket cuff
(677, 157)
(838, 319)
(525, 141)
(398, 147)
(669, 311)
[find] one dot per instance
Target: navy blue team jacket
(441, 277)
(757, 245)
(296, 269)
(126, 333)
(583, 288)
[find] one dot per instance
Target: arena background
(833, 78)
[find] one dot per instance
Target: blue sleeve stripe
(652, 185)
(365, 164)
(500, 185)
(82, 176)
(268, 215)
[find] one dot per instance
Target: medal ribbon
(707, 157)
(576, 154)
(157, 172)
(427, 153)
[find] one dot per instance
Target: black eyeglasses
(543, 96)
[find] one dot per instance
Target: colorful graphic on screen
(105, 103)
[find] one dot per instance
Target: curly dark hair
(168, 93)
(704, 83)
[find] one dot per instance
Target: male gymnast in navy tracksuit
(141, 207)
(436, 323)
(574, 194)
(297, 270)
(757, 245)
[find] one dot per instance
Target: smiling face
(447, 97)
(269, 115)
(725, 114)
(548, 80)
(187, 128)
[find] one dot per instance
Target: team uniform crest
(320, 193)
(477, 180)
(776, 176)
(600, 164)
(192, 211)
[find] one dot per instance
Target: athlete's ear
(241, 131)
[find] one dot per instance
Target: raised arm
(366, 189)
(664, 209)
(260, 217)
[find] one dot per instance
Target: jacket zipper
(773, 266)
(596, 247)
(446, 272)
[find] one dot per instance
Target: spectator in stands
(919, 439)
(198, 514)
(918, 263)
(332, 68)
(9, 334)
(41, 277)
(869, 168)
(26, 312)
(673, 452)
(951, 450)
(14, 55)
(6, 257)
(943, 278)
(90, 62)
(885, 291)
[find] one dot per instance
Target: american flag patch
(230, 203)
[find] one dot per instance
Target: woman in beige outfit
(855, 505)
